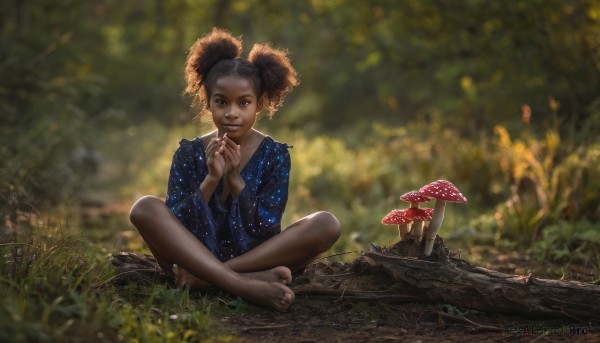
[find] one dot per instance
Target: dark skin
(261, 275)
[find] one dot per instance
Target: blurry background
(500, 97)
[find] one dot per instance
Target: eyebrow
(240, 97)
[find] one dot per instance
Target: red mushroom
(397, 217)
(418, 215)
(415, 198)
(442, 191)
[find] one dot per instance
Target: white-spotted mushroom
(418, 216)
(397, 217)
(415, 198)
(442, 191)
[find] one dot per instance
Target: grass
(55, 286)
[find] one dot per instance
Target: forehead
(233, 86)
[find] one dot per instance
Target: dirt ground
(333, 319)
(341, 318)
(344, 317)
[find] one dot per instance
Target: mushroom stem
(434, 225)
(402, 230)
(417, 231)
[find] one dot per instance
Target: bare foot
(272, 294)
(280, 274)
(185, 279)
(265, 288)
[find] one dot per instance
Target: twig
(465, 320)
(342, 295)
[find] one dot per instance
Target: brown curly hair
(217, 54)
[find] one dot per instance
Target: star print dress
(232, 227)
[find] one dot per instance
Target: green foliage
(393, 95)
(44, 91)
(74, 72)
(54, 287)
(566, 242)
(548, 183)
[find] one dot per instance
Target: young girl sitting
(221, 222)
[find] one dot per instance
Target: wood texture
(459, 283)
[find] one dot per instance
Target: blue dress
(230, 228)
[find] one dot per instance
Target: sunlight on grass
(55, 286)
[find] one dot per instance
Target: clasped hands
(223, 158)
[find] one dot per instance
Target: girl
(221, 223)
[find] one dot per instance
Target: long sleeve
(255, 215)
(232, 227)
(184, 197)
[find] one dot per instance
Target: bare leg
(172, 243)
(294, 247)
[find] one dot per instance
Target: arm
(216, 166)
(231, 173)
(255, 214)
(185, 197)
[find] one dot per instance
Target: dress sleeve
(184, 197)
(256, 216)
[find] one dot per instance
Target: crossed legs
(260, 275)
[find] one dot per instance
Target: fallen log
(385, 276)
(481, 289)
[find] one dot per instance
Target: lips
(231, 127)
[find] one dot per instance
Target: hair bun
(276, 71)
(207, 51)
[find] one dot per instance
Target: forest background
(500, 97)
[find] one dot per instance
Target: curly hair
(217, 54)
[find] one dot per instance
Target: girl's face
(234, 107)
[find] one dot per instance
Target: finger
(230, 158)
(212, 145)
(233, 147)
(230, 143)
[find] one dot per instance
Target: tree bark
(486, 290)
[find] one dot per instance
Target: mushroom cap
(397, 217)
(424, 214)
(443, 190)
(414, 196)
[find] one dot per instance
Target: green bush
(566, 242)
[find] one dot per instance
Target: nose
(230, 114)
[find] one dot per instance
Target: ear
(259, 106)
